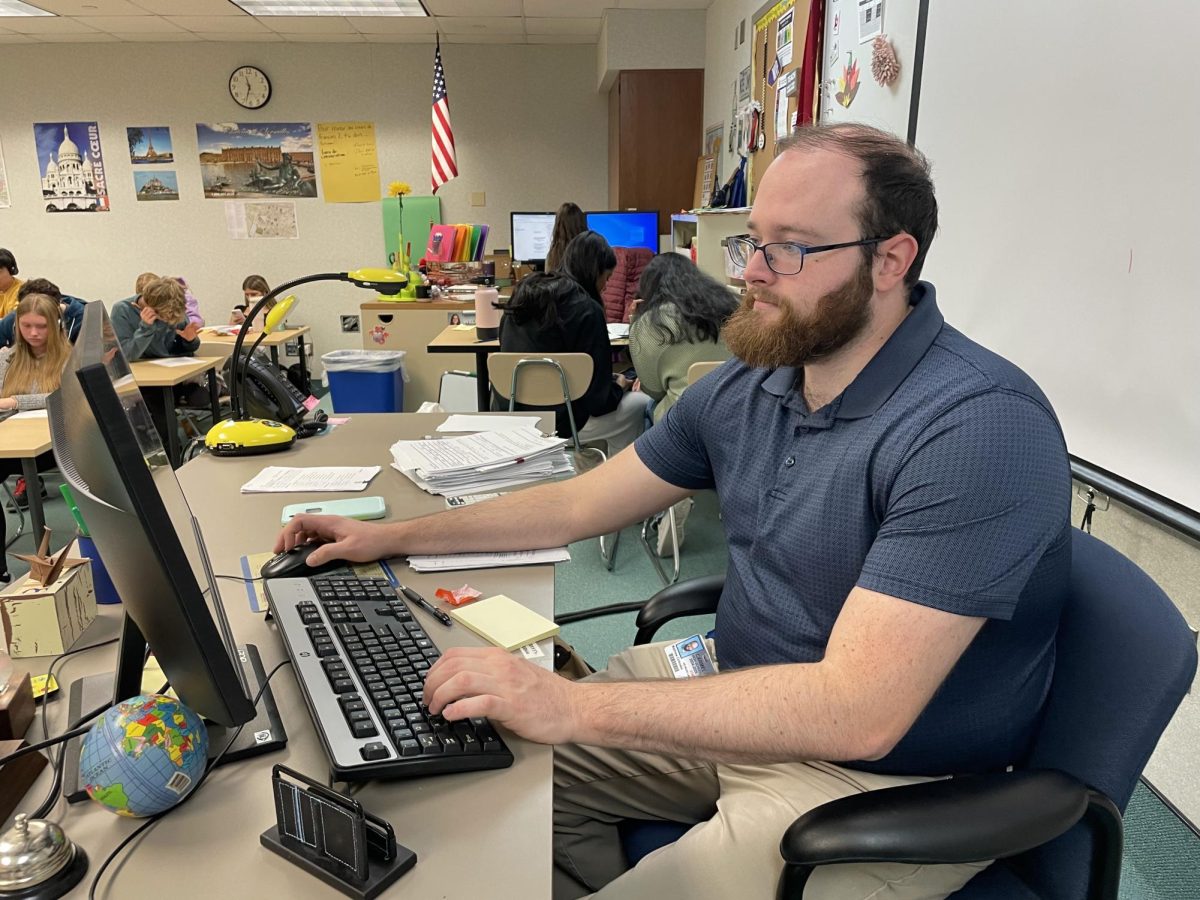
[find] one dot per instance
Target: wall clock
(250, 87)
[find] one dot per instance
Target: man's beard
(794, 340)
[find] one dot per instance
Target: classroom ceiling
(458, 21)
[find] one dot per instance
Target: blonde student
(154, 324)
(29, 370)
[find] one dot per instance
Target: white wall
(531, 131)
(723, 65)
(650, 39)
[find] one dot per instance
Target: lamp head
(278, 313)
(383, 281)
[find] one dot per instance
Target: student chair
(1125, 658)
(550, 379)
(695, 372)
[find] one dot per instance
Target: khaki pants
(739, 814)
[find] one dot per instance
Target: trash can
(365, 380)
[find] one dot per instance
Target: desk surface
(477, 834)
(274, 339)
(151, 373)
(453, 339)
(23, 438)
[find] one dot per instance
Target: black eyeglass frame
(746, 240)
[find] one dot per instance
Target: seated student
(554, 313)
(191, 304)
(29, 370)
(896, 502)
(155, 325)
(569, 221)
(676, 322)
(71, 309)
(10, 284)
(254, 288)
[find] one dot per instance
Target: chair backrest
(698, 370)
(1124, 659)
(537, 379)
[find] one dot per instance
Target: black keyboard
(361, 657)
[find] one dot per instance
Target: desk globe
(144, 755)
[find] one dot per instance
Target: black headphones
(8, 261)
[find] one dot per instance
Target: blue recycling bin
(365, 381)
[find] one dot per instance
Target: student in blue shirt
(895, 499)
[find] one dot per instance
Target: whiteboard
(1065, 142)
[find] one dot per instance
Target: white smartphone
(350, 507)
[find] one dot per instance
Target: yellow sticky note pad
(504, 622)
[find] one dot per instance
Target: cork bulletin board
(780, 30)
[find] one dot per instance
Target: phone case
(351, 508)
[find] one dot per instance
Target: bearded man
(896, 502)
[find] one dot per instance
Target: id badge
(689, 658)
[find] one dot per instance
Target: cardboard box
(45, 620)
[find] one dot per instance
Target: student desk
(157, 381)
(26, 439)
(476, 834)
(221, 345)
(459, 339)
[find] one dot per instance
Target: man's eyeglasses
(783, 257)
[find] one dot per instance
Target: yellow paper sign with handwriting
(349, 161)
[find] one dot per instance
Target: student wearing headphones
(29, 370)
(71, 309)
(10, 284)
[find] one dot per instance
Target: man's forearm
(767, 714)
(532, 519)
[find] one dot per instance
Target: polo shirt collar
(883, 374)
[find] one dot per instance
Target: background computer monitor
(531, 232)
(110, 454)
(623, 228)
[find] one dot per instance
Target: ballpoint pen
(416, 598)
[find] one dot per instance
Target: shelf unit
(709, 228)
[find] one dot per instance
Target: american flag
(445, 164)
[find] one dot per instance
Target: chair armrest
(694, 597)
(966, 819)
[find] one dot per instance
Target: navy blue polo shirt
(939, 476)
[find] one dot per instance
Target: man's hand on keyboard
(489, 681)
(343, 538)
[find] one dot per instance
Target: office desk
(456, 339)
(476, 834)
(26, 439)
(222, 345)
(158, 381)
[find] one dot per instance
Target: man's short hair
(897, 185)
(39, 286)
(8, 261)
(165, 296)
(142, 280)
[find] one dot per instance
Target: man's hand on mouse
(342, 538)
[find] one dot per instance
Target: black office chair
(1125, 658)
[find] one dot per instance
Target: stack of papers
(280, 480)
(451, 562)
(481, 463)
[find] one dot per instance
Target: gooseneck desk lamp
(242, 434)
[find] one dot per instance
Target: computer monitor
(110, 455)
(626, 228)
(531, 234)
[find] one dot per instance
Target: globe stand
(262, 734)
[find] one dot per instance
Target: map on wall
(257, 160)
(4, 199)
(261, 219)
(71, 164)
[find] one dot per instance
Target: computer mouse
(294, 563)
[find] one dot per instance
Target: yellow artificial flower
(399, 188)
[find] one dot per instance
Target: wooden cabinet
(655, 129)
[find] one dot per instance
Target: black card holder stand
(333, 838)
